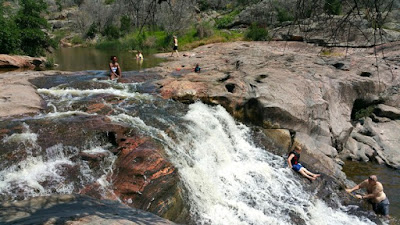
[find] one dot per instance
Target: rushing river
(229, 180)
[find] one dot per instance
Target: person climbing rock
(115, 69)
(375, 195)
(293, 162)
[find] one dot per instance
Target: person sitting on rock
(197, 68)
(375, 195)
(293, 162)
(115, 69)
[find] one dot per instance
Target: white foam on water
(46, 174)
(64, 114)
(231, 181)
(70, 93)
(26, 137)
(27, 177)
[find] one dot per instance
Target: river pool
(78, 59)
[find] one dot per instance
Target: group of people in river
(375, 195)
(115, 69)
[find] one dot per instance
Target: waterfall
(227, 178)
(231, 181)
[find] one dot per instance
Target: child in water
(115, 69)
(139, 56)
(293, 162)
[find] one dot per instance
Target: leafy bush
(92, 31)
(226, 20)
(59, 5)
(256, 33)
(204, 30)
(365, 112)
(49, 64)
(333, 7)
(77, 40)
(284, 15)
(109, 2)
(111, 32)
(125, 24)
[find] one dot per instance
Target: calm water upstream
(390, 178)
(78, 59)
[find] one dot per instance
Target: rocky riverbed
(290, 92)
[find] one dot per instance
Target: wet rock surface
(80, 137)
(74, 209)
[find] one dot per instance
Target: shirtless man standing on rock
(375, 195)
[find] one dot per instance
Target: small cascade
(231, 181)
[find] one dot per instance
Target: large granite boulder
(17, 61)
(288, 86)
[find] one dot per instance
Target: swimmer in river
(375, 195)
(115, 69)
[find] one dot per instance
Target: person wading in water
(115, 69)
(375, 195)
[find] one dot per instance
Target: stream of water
(228, 179)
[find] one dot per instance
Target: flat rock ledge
(18, 96)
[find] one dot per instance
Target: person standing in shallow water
(115, 69)
(375, 195)
(175, 47)
(293, 162)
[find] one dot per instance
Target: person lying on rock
(375, 195)
(293, 162)
(115, 69)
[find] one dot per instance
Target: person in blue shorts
(293, 162)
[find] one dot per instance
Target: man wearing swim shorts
(375, 195)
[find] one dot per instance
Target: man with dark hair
(375, 195)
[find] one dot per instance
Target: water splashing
(231, 181)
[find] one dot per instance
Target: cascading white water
(42, 173)
(231, 181)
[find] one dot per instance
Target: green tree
(257, 33)
(29, 21)
(9, 34)
(126, 24)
